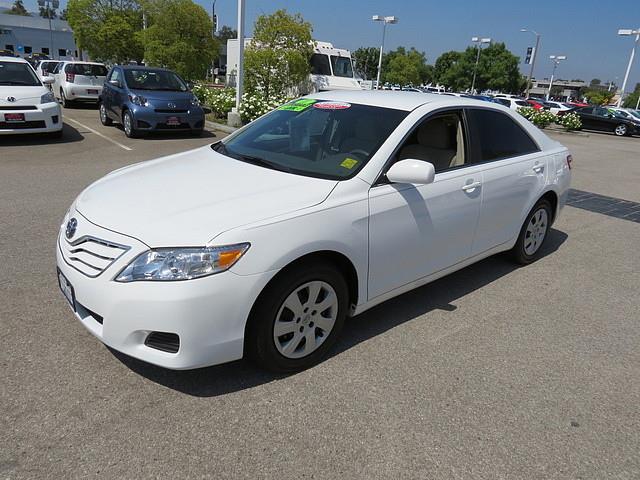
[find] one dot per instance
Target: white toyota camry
(261, 245)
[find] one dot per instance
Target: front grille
(17, 107)
(165, 110)
(22, 125)
(90, 255)
(164, 341)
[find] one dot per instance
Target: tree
(179, 37)
(18, 9)
(226, 33)
(599, 97)
(366, 61)
(47, 12)
(595, 81)
(632, 100)
(277, 60)
(107, 29)
(497, 69)
(406, 67)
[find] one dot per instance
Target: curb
(564, 132)
(220, 127)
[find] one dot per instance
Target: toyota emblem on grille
(11, 99)
(71, 228)
(171, 105)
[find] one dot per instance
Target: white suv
(26, 104)
(78, 81)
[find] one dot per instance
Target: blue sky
(584, 30)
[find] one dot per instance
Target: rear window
(499, 136)
(86, 69)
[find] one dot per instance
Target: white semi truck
(331, 68)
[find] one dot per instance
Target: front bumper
(208, 314)
(46, 117)
(83, 93)
(149, 118)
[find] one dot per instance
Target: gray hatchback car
(145, 99)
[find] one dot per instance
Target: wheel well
(552, 198)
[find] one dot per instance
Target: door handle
(471, 186)
(538, 168)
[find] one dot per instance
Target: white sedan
(260, 245)
(26, 104)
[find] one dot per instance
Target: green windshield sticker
(297, 105)
(349, 163)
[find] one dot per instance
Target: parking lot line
(98, 133)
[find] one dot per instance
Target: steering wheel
(359, 152)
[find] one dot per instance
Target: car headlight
(167, 264)
(195, 102)
(47, 98)
(138, 99)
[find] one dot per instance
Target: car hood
(23, 95)
(163, 94)
(189, 198)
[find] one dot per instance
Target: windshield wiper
(220, 147)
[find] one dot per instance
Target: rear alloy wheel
(621, 130)
(533, 233)
(298, 318)
(104, 118)
(127, 125)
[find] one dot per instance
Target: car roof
(398, 100)
(144, 67)
(13, 59)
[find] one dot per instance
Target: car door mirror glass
(418, 172)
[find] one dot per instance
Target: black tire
(260, 345)
(104, 118)
(129, 129)
(519, 251)
(63, 99)
(621, 130)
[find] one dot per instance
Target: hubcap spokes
(127, 123)
(536, 231)
(305, 319)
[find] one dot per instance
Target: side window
(116, 75)
(320, 64)
(588, 110)
(69, 68)
(56, 69)
(496, 136)
(438, 139)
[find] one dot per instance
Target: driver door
(418, 230)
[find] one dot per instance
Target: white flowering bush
(540, 118)
(219, 100)
(254, 104)
(570, 121)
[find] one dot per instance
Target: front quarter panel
(339, 224)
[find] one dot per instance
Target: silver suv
(78, 81)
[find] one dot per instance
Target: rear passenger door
(514, 175)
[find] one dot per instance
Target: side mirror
(115, 83)
(48, 80)
(417, 172)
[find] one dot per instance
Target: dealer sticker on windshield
(332, 105)
(349, 163)
(297, 105)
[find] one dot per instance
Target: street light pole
(385, 21)
(478, 41)
(50, 5)
(556, 61)
(240, 73)
(628, 32)
(533, 57)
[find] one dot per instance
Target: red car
(534, 104)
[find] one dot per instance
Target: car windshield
(154, 80)
(17, 73)
(317, 138)
(341, 66)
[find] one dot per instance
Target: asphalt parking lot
(492, 372)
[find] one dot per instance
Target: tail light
(71, 77)
(569, 161)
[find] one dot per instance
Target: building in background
(568, 89)
(28, 35)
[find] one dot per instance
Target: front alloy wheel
(621, 130)
(298, 317)
(127, 125)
